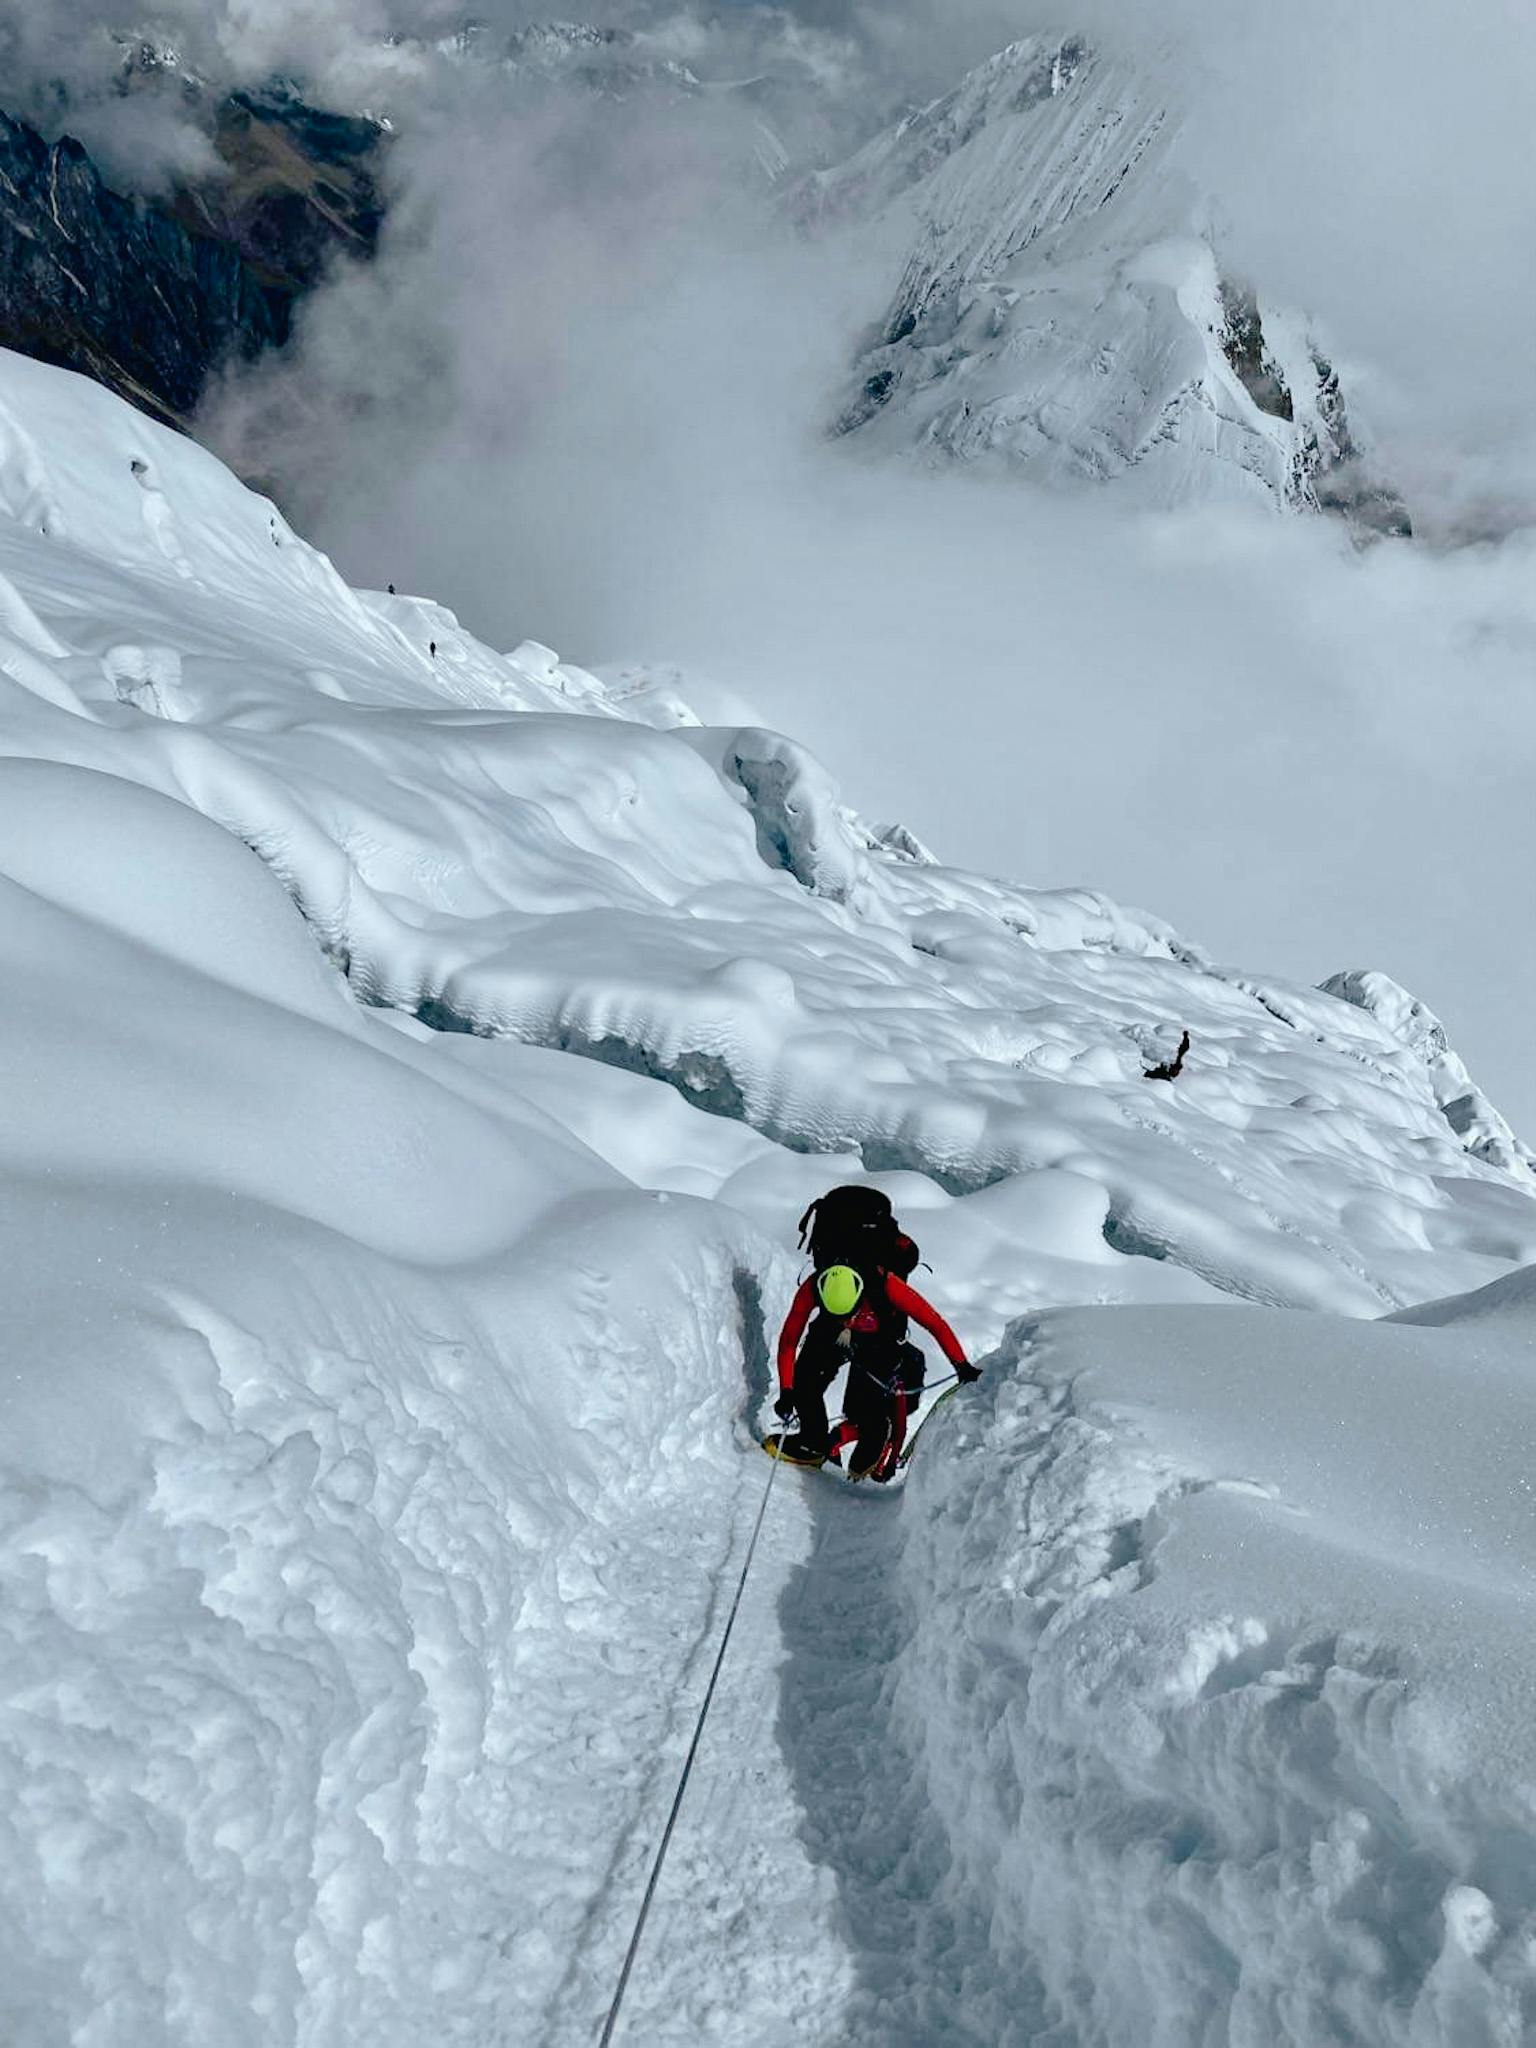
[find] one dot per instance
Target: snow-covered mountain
(1064, 309)
(416, 1059)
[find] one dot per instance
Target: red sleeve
(912, 1304)
(793, 1330)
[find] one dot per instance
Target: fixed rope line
(682, 1784)
(928, 1386)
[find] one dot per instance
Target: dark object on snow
(791, 1451)
(857, 1227)
(1170, 1070)
(432, 649)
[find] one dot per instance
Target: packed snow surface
(1273, 1773)
(416, 1058)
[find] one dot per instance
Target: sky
(581, 397)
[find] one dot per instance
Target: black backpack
(857, 1227)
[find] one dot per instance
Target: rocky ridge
(151, 296)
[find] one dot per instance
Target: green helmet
(840, 1289)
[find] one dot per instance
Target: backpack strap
(806, 1222)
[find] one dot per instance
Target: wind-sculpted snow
(1483, 1131)
(699, 907)
(387, 1328)
(329, 1526)
(1272, 1776)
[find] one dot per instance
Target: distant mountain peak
(1065, 311)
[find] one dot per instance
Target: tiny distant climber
(1170, 1070)
(432, 649)
(854, 1310)
(391, 590)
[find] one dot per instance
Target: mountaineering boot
(888, 1464)
(793, 1450)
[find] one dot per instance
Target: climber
(854, 1311)
(1170, 1070)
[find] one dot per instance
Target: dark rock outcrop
(300, 187)
(151, 298)
(1331, 473)
(111, 286)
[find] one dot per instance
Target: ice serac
(1479, 1125)
(1064, 308)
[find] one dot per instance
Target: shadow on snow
(929, 1967)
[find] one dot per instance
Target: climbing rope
(682, 1784)
(896, 1385)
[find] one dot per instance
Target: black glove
(784, 1407)
(965, 1374)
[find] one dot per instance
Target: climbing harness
(682, 1784)
(934, 1384)
(896, 1385)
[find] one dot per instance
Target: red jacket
(897, 1293)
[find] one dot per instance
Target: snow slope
(416, 1061)
(1063, 309)
(1273, 1776)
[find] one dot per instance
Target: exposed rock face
(1064, 310)
(148, 299)
(111, 286)
(301, 186)
(1329, 472)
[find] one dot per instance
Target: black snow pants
(882, 1383)
(821, 1360)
